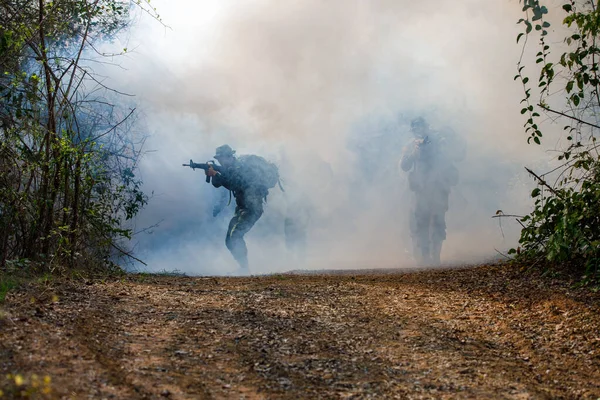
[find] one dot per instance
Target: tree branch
(114, 127)
(543, 182)
(127, 253)
(568, 116)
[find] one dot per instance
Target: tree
(564, 225)
(66, 185)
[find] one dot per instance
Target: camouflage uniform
(431, 176)
(249, 200)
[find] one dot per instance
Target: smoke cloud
(326, 89)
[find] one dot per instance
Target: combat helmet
(224, 151)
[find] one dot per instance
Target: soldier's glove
(210, 172)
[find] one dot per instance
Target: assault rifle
(205, 166)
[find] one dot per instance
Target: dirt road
(472, 333)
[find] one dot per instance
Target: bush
(564, 226)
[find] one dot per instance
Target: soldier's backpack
(258, 171)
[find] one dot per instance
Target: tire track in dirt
(479, 333)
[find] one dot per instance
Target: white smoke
(301, 82)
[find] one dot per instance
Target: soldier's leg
(438, 235)
(289, 230)
(240, 224)
(295, 238)
(422, 222)
(414, 236)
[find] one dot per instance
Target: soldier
(250, 193)
(431, 175)
(295, 227)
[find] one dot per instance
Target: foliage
(67, 157)
(16, 386)
(564, 226)
(6, 284)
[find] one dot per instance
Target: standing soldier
(249, 180)
(431, 175)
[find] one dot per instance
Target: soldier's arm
(408, 159)
(227, 177)
(217, 180)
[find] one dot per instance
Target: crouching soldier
(249, 179)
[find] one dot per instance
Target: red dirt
(483, 332)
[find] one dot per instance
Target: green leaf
(546, 24)
(519, 36)
(536, 192)
(524, 110)
(575, 100)
(569, 86)
(536, 140)
(567, 7)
